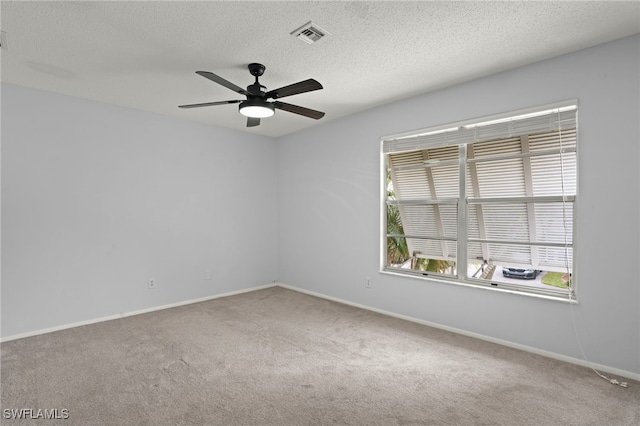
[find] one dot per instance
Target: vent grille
(310, 32)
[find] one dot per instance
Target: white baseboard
(128, 314)
(548, 354)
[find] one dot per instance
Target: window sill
(440, 279)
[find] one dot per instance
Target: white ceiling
(144, 55)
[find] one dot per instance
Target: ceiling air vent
(310, 32)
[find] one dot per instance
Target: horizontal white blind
(520, 188)
(430, 176)
(484, 129)
(409, 183)
(545, 169)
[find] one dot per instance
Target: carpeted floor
(279, 357)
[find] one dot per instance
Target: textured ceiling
(144, 55)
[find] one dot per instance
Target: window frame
(465, 199)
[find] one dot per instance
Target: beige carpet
(279, 357)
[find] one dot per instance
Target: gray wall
(329, 224)
(96, 199)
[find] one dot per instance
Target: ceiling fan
(257, 106)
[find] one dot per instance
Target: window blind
(520, 186)
(549, 118)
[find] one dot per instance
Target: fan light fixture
(256, 109)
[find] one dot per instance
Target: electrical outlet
(367, 283)
(152, 283)
(207, 275)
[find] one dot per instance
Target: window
(488, 202)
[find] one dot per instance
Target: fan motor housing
(257, 89)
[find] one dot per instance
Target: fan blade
(252, 122)
(294, 89)
(208, 104)
(311, 113)
(221, 81)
